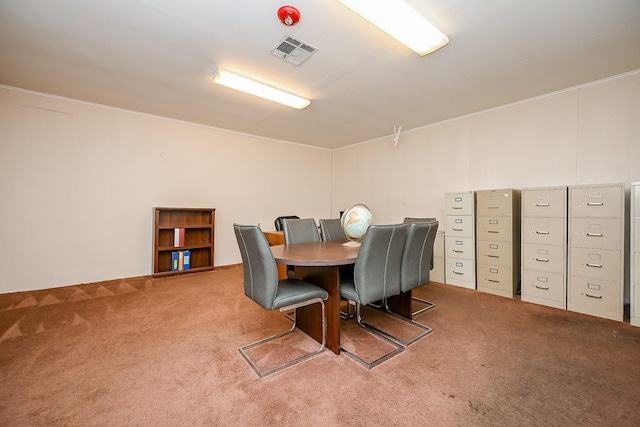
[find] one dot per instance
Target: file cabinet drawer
(546, 231)
(495, 202)
(596, 233)
(598, 294)
(459, 225)
(544, 258)
(597, 201)
(544, 202)
(460, 203)
(543, 285)
(494, 228)
(461, 269)
(460, 247)
(496, 253)
(598, 263)
(496, 278)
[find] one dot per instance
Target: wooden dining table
(319, 263)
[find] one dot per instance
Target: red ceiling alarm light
(289, 15)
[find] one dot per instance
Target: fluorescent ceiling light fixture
(234, 81)
(400, 21)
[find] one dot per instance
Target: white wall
(585, 135)
(78, 183)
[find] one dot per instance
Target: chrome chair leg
(429, 305)
(264, 372)
(398, 348)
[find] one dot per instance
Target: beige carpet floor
(164, 352)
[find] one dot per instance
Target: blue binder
(174, 260)
(187, 260)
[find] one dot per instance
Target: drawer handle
(457, 272)
(594, 265)
(594, 234)
(456, 207)
(457, 229)
(595, 204)
(543, 288)
(594, 296)
(542, 205)
(493, 207)
(493, 256)
(492, 280)
(493, 231)
(542, 232)
(458, 252)
(542, 259)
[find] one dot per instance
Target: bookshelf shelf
(198, 226)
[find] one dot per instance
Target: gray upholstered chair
(376, 276)
(428, 305)
(261, 284)
(416, 263)
(300, 230)
(409, 220)
(331, 229)
(278, 221)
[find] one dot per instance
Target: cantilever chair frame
(264, 372)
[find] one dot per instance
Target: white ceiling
(157, 57)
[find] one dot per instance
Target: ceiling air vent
(293, 51)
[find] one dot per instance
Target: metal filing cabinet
(596, 250)
(544, 246)
(635, 254)
(498, 241)
(460, 249)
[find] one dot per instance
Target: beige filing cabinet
(498, 241)
(460, 249)
(596, 250)
(437, 273)
(635, 254)
(544, 246)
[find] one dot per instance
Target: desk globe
(355, 222)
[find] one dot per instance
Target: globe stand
(351, 243)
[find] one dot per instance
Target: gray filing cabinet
(596, 250)
(460, 249)
(544, 246)
(498, 241)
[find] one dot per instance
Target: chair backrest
(278, 221)
(260, 272)
(377, 270)
(417, 254)
(300, 230)
(331, 229)
(409, 220)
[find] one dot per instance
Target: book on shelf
(180, 260)
(178, 237)
(186, 265)
(174, 261)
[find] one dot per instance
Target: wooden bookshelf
(199, 228)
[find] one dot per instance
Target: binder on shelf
(174, 261)
(186, 265)
(178, 237)
(180, 260)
